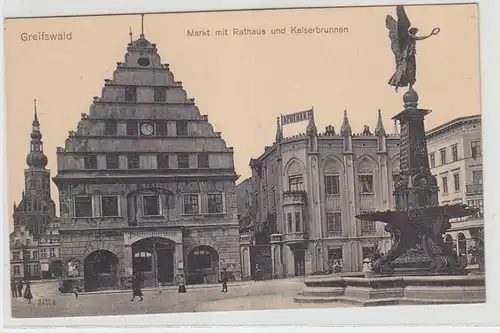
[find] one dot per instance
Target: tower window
(298, 221)
(475, 147)
(162, 161)
(445, 184)
(331, 185)
(130, 94)
(365, 183)
(133, 161)
(442, 153)
(454, 153)
(182, 127)
(90, 162)
(161, 128)
(112, 161)
(132, 127)
(215, 203)
(183, 161)
(109, 205)
(432, 159)
(110, 127)
(203, 161)
(151, 205)
(83, 206)
(295, 183)
(191, 204)
(456, 181)
(334, 221)
(160, 94)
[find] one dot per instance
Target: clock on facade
(147, 129)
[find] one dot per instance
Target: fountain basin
(394, 290)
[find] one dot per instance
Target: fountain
(420, 268)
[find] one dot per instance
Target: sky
(242, 82)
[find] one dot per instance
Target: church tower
(36, 208)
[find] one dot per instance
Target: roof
(451, 124)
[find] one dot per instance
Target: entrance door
(300, 263)
(165, 259)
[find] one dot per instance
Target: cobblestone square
(270, 295)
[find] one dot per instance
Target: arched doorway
(100, 270)
(448, 243)
(202, 265)
(153, 261)
(462, 245)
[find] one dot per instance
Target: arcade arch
(153, 261)
(202, 265)
(100, 270)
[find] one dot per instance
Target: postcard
(244, 160)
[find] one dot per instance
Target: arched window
(462, 244)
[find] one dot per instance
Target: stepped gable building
(308, 189)
(455, 158)
(36, 209)
(146, 186)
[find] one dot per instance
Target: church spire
(380, 130)
(130, 34)
(36, 158)
(345, 130)
(142, 26)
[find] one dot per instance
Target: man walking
(224, 280)
(13, 287)
(20, 288)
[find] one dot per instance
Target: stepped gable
(143, 88)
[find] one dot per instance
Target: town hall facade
(147, 188)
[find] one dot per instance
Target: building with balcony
(308, 189)
(146, 186)
(455, 158)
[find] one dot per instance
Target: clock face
(147, 129)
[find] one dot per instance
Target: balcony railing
(335, 233)
(294, 197)
(474, 189)
(295, 237)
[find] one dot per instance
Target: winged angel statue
(403, 39)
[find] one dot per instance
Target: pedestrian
(20, 288)
(224, 280)
(159, 288)
(136, 289)
(27, 292)
(76, 290)
(13, 287)
(257, 273)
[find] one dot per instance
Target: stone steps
(384, 301)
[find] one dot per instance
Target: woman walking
(27, 292)
(136, 289)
